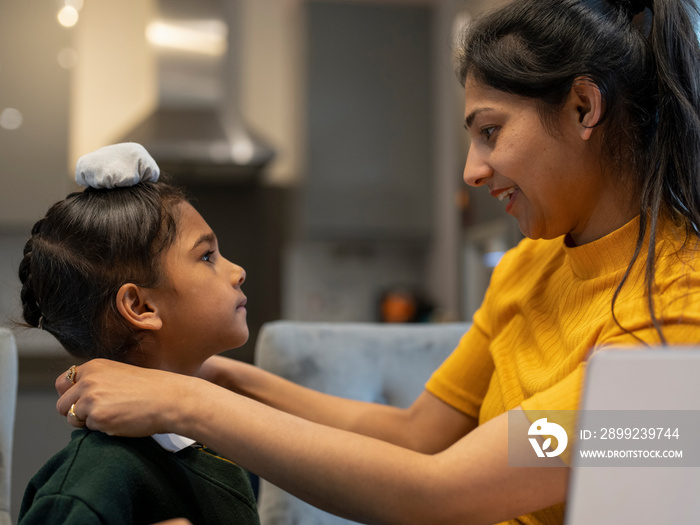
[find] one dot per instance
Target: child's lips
(242, 304)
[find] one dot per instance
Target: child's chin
(241, 339)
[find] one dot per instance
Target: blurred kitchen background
(321, 139)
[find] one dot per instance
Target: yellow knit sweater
(549, 305)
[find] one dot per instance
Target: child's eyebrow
(209, 237)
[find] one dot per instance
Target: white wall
(273, 83)
(32, 156)
(114, 82)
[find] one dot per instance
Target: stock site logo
(542, 427)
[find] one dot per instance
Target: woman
(584, 117)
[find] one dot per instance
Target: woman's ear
(135, 306)
(587, 101)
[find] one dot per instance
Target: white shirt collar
(173, 442)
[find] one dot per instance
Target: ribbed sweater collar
(606, 255)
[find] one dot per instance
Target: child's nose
(239, 275)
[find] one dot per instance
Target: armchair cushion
(383, 363)
(8, 399)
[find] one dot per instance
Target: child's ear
(588, 100)
(135, 306)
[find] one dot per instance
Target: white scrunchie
(116, 166)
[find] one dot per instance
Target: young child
(128, 270)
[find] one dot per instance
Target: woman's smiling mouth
(504, 194)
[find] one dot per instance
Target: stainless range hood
(197, 132)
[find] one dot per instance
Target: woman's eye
(488, 132)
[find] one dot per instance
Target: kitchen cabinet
(369, 119)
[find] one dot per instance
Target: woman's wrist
(227, 373)
(201, 410)
(181, 409)
(242, 378)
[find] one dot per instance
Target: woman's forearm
(383, 422)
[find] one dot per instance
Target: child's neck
(151, 356)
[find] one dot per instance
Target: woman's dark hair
(644, 57)
(83, 250)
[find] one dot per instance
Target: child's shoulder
(92, 459)
(93, 477)
(135, 479)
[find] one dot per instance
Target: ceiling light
(10, 119)
(202, 36)
(68, 16)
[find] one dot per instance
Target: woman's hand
(121, 399)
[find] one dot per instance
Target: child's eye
(207, 256)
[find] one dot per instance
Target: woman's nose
(476, 169)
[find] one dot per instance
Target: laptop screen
(625, 380)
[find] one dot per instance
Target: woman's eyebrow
(470, 118)
(209, 237)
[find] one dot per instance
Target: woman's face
(551, 181)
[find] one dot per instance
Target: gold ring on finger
(70, 375)
(72, 414)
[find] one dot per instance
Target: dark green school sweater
(110, 480)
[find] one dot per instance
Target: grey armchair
(384, 363)
(8, 400)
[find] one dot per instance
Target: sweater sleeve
(463, 379)
(58, 509)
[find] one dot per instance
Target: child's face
(201, 303)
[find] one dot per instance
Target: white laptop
(664, 379)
